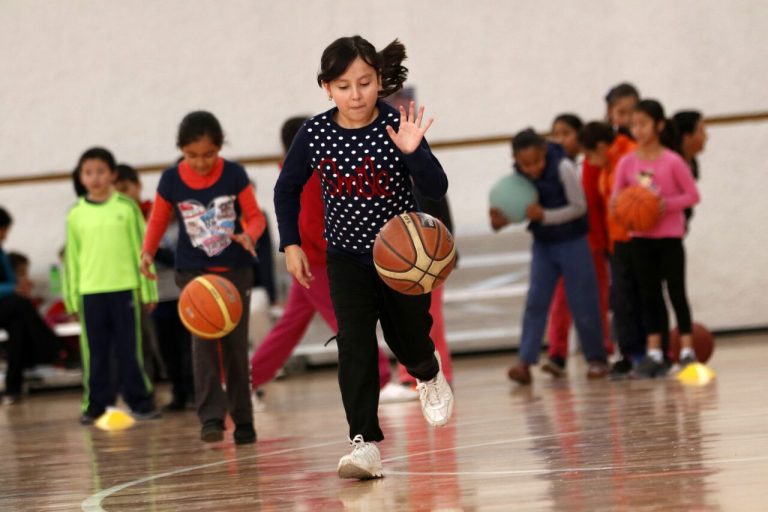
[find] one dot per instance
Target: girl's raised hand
(298, 265)
(409, 136)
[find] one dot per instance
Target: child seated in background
(30, 340)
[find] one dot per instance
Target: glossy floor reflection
(557, 445)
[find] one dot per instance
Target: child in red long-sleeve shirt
(220, 222)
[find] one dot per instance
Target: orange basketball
(210, 306)
(414, 253)
(703, 343)
(637, 208)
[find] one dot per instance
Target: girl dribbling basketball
(365, 153)
(220, 222)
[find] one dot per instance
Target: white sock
(687, 352)
(656, 354)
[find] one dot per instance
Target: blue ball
(512, 194)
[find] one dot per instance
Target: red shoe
(597, 370)
(520, 373)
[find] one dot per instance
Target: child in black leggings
(657, 254)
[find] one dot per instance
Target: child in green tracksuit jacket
(104, 287)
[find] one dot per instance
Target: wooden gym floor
(556, 445)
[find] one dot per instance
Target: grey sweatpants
(211, 398)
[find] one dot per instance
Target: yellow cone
(115, 419)
(695, 374)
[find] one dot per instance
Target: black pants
(30, 340)
(112, 326)
(360, 299)
(626, 303)
(175, 346)
(660, 261)
(211, 399)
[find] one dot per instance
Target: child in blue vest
(559, 226)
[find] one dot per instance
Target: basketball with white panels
(414, 253)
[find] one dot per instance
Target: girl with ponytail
(658, 255)
(367, 155)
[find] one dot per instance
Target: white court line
(93, 502)
(512, 472)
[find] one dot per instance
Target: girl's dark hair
(388, 62)
(289, 130)
(571, 120)
(96, 154)
(622, 90)
(80, 189)
(654, 110)
(127, 173)
(5, 218)
(17, 259)
(686, 121)
(526, 139)
(594, 133)
(197, 125)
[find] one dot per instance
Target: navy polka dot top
(366, 179)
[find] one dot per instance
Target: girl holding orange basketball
(658, 255)
(221, 220)
(365, 153)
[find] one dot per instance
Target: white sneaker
(392, 393)
(363, 463)
(436, 400)
(257, 401)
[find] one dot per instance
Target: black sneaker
(621, 369)
(685, 361)
(90, 417)
(648, 368)
(555, 367)
(151, 414)
(244, 433)
(212, 431)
